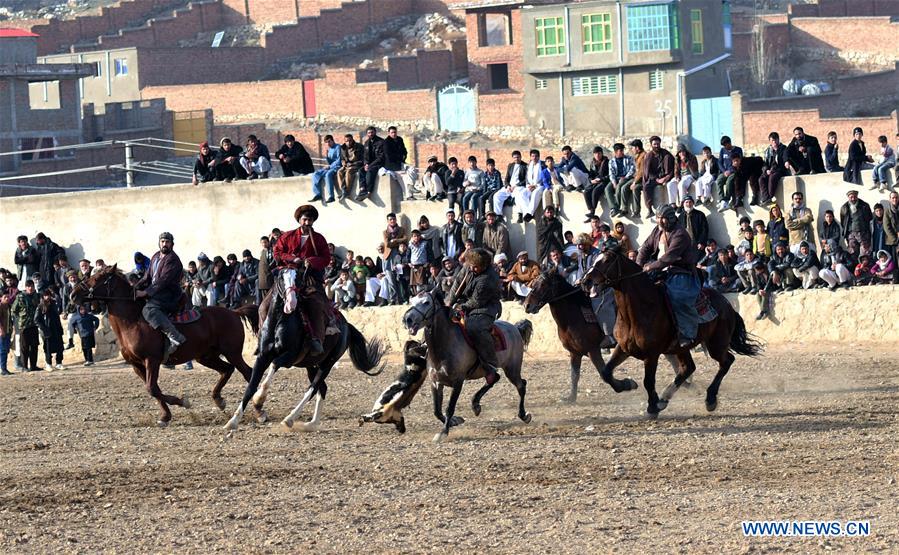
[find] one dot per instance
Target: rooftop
(46, 72)
(15, 33)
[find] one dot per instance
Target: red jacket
(315, 250)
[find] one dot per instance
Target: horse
(218, 333)
(389, 407)
(645, 329)
(283, 347)
(452, 361)
(578, 329)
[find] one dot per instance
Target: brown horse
(570, 308)
(219, 332)
(645, 329)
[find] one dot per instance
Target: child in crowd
(493, 182)
(878, 235)
(50, 326)
(883, 270)
(455, 182)
(761, 243)
(745, 244)
(830, 229)
(746, 271)
(344, 291)
(85, 324)
(862, 271)
(882, 170)
(832, 154)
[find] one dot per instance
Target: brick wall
(757, 126)
(843, 8)
(338, 96)
(170, 66)
(247, 100)
(862, 40)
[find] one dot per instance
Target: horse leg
(654, 406)
(574, 365)
(450, 410)
(437, 397)
(225, 370)
(711, 395)
(617, 357)
(521, 385)
(262, 393)
(262, 361)
(314, 424)
(476, 400)
(164, 401)
(686, 369)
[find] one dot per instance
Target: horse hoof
(261, 416)
(661, 404)
(652, 415)
(439, 438)
(401, 426)
(287, 425)
(457, 421)
(219, 403)
(476, 409)
(629, 384)
(668, 393)
(526, 418)
(711, 406)
(162, 423)
(569, 400)
(310, 426)
(185, 403)
(230, 427)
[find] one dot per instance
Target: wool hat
(305, 210)
(166, 235)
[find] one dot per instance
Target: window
(597, 32)
(728, 28)
(499, 76)
(550, 36)
(121, 67)
(34, 143)
(696, 31)
(652, 28)
(541, 84)
(99, 70)
(494, 29)
(594, 85)
(656, 80)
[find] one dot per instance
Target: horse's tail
(526, 329)
(742, 342)
(249, 314)
(366, 355)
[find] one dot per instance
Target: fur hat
(305, 210)
(479, 257)
(667, 212)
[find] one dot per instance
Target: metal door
(710, 118)
(456, 109)
(189, 127)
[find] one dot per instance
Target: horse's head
(421, 310)
(543, 289)
(389, 407)
(107, 284)
(288, 283)
(610, 267)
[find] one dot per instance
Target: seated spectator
(599, 176)
(746, 169)
(435, 179)
(475, 187)
(621, 176)
(832, 154)
(775, 168)
(804, 154)
(256, 159)
(573, 171)
(349, 260)
(200, 288)
(221, 276)
(833, 266)
(493, 182)
(887, 161)
(522, 274)
(373, 161)
(343, 291)
(708, 173)
(204, 168)
(227, 162)
(725, 181)
(141, 265)
(395, 152)
(780, 269)
(527, 198)
(746, 271)
(884, 269)
(722, 276)
(569, 248)
(455, 184)
(351, 162)
(862, 272)
(830, 229)
(328, 174)
(85, 324)
(332, 272)
(552, 195)
(294, 158)
(242, 292)
(377, 285)
(685, 173)
(806, 265)
(516, 175)
(249, 267)
(708, 257)
(857, 158)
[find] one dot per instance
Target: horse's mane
(581, 299)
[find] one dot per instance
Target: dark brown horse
(645, 329)
(218, 333)
(570, 307)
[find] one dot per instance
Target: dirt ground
(803, 433)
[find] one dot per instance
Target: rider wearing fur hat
(477, 294)
(161, 286)
(670, 248)
(307, 250)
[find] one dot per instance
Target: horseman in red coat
(306, 251)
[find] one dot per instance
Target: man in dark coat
(658, 170)
(549, 234)
(48, 252)
(765, 189)
(26, 258)
(227, 161)
(804, 154)
(695, 223)
(394, 151)
(294, 158)
(161, 286)
(477, 294)
(669, 248)
(451, 242)
(855, 219)
(373, 158)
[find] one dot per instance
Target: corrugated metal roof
(12, 32)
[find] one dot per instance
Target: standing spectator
(26, 258)
(695, 222)
(496, 236)
(806, 265)
(256, 159)
(451, 242)
(549, 234)
(882, 169)
(23, 310)
(399, 265)
(621, 176)
(432, 235)
(726, 176)
(435, 179)
(48, 252)
(658, 170)
(202, 283)
(763, 294)
(84, 269)
(855, 219)
(858, 157)
(832, 154)
(62, 273)
(878, 236)
(891, 226)
(516, 177)
(775, 168)
(328, 174)
(418, 260)
(50, 327)
(761, 243)
(394, 151)
(373, 157)
(455, 183)
(708, 173)
(264, 279)
(471, 228)
(618, 233)
(527, 198)
(475, 187)
(7, 295)
(799, 222)
(639, 155)
(804, 154)
(393, 235)
(493, 181)
(833, 266)
(573, 170)
(686, 172)
(599, 178)
(522, 274)
(227, 162)
(249, 267)
(351, 161)
(204, 168)
(85, 324)
(777, 228)
(830, 229)
(294, 158)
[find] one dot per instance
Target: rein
(91, 297)
(611, 281)
(564, 295)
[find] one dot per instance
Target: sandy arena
(806, 432)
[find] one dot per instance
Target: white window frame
(594, 85)
(656, 80)
(541, 84)
(121, 67)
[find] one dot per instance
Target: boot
(71, 344)
(175, 338)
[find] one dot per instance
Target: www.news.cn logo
(806, 528)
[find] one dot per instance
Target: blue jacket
(629, 168)
(86, 324)
(565, 166)
(725, 158)
(333, 157)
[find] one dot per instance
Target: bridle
(90, 292)
(427, 315)
(574, 291)
(610, 281)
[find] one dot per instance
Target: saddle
(185, 313)
(704, 307)
(499, 339)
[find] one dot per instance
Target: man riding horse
(161, 286)
(477, 293)
(303, 248)
(670, 249)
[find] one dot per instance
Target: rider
(670, 248)
(477, 293)
(161, 286)
(304, 248)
